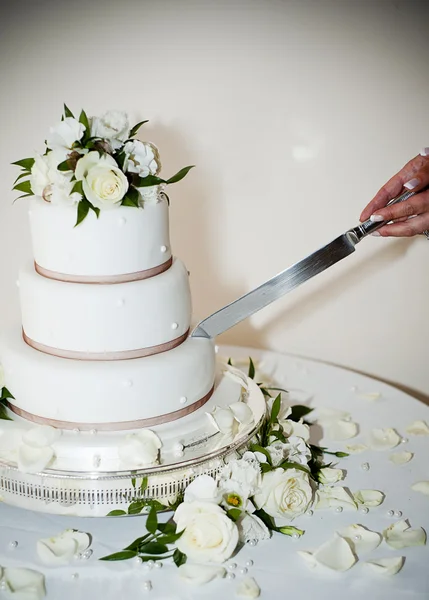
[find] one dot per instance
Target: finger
(394, 186)
(408, 228)
(415, 205)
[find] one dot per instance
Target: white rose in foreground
(112, 126)
(208, 534)
(103, 182)
(140, 449)
(284, 493)
(250, 527)
(23, 584)
(141, 158)
(203, 488)
(62, 548)
(63, 135)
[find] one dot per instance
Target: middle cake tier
(105, 321)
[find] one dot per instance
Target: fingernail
(376, 234)
(410, 185)
(424, 152)
(376, 218)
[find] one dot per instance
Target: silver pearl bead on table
(339, 509)
(230, 576)
(242, 571)
(365, 466)
(390, 513)
(75, 576)
(147, 586)
(158, 564)
(364, 510)
(249, 563)
(252, 543)
(398, 513)
(232, 566)
(13, 544)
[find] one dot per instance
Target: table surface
(278, 569)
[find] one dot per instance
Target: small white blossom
(63, 135)
(113, 126)
(141, 158)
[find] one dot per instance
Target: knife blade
(289, 279)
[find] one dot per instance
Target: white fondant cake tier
(91, 318)
(122, 240)
(110, 394)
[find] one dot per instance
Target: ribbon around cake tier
(104, 279)
(102, 356)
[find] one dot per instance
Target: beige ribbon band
(104, 279)
(140, 423)
(122, 355)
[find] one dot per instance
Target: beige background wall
(294, 112)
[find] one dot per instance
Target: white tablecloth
(277, 568)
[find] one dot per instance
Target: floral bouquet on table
(95, 163)
(253, 496)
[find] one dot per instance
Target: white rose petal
(237, 376)
(24, 584)
(200, 574)
(400, 535)
(112, 126)
(64, 134)
(369, 498)
(62, 548)
(223, 419)
(386, 566)
(208, 534)
(248, 588)
(334, 496)
(400, 458)
(418, 428)
(361, 540)
(356, 448)
(340, 430)
(284, 493)
(34, 460)
(327, 415)
(328, 475)
(370, 395)
(203, 488)
(383, 439)
(336, 554)
(140, 449)
(250, 527)
(421, 486)
(103, 182)
(242, 413)
(297, 429)
(41, 436)
(309, 559)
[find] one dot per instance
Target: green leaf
(180, 174)
(279, 435)
(131, 198)
(234, 514)
(252, 370)
(288, 530)
(84, 120)
(155, 504)
(179, 558)
(298, 412)
(64, 166)
(266, 519)
(169, 538)
(68, 112)
(24, 186)
(25, 163)
(78, 188)
(144, 484)
(277, 389)
(82, 211)
(257, 448)
(319, 451)
(264, 391)
(95, 209)
(3, 414)
(167, 528)
(21, 175)
(5, 394)
(153, 548)
(120, 159)
(147, 181)
(136, 507)
(275, 409)
(133, 482)
(116, 513)
(291, 465)
(265, 467)
(123, 555)
(138, 542)
(135, 129)
(229, 362)
(152, 520)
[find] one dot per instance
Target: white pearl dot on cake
(232, 566)
(178, 450)
(13, 544)
(158, 564)
(365, 466)
(230, 576)
(75, 576)
(93, 431)
(147, 586)
(76, 430)
(163, 249)
(122, 221)
(398, 513)
(120, 303)
(174, 325)
(183, 400)
(364, 510)
(390, 513)
(339, 509)
(127, 383)
(249, 563)
(242, 571)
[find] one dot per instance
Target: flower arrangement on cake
(95, 163)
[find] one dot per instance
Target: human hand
(410, 217)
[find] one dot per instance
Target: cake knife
(289, 279)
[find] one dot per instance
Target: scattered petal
(369, 395)
(400, 535)
(61, 549)
(383, 439)
(386, 566)
(200, 574)
(308, 558)
(333, 496)
(400, 458)
(297, 429)
(34, 460)
(340, 430)
(356, 448)
(223, 420)
(248, 588)
(41, 436)
(24, 584)
(237, 375)
(242, 413)
(329, 475)
(369, 498)
(336, 554)
(361, 540)
(421, 486)
(326, 415)
(418, 428)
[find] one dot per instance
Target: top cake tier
(126, 243)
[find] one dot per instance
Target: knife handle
(369, 226)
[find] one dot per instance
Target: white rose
(103, 182)
(284, 493)
(250, 527)
(208, 534)
(112, 126)
(203, 488)
(141, 158)
(140, 449)
(63, 135)
(329, 475)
